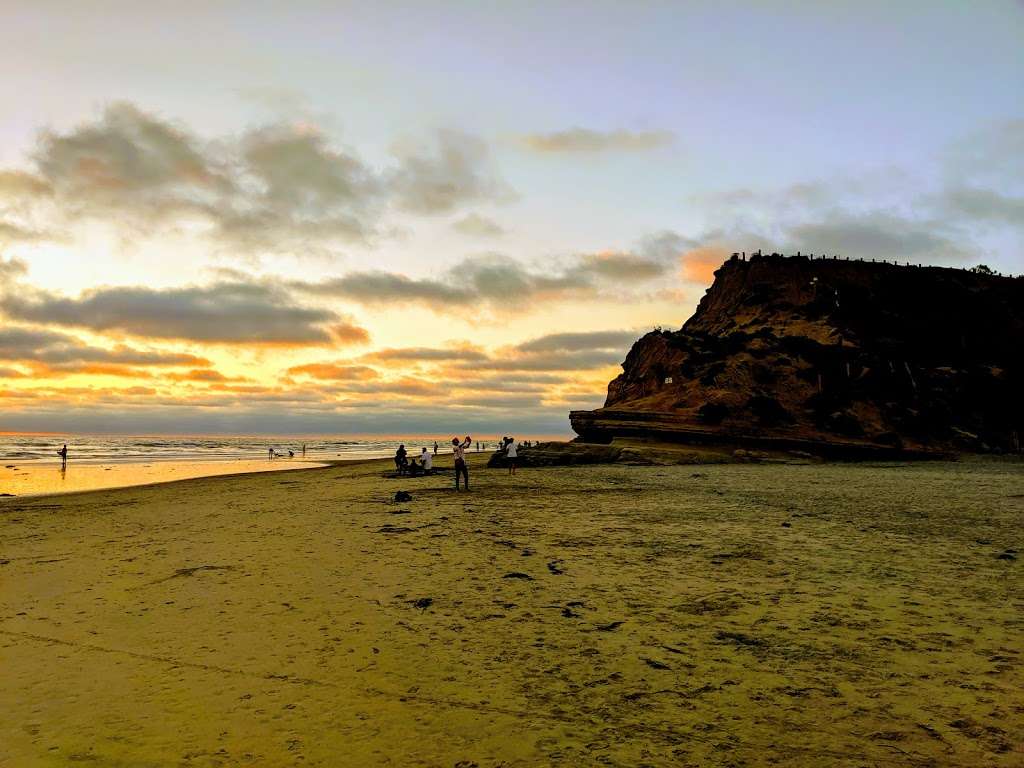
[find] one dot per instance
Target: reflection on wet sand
(31, 479)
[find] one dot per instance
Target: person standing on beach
(63, 453)
(435, 447)
(512, 455)
(459, 449)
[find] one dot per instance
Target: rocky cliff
(831, 356)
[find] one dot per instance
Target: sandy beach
(733, 615)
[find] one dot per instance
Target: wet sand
(35, 478)
(732, 615)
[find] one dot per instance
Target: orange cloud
(198, 374)
(347, 333)
(699, 264)
(101, 369)
(334, 372)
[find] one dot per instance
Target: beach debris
(181, 572)
(401, 496)
(739, 638)
(422, 603)
(555, 568)
(399, 511)
(1009, 554)
(518, 575)
(654, 663)
(787, 525)
(394, 529)
(569, 613)
(6, 494)
(611, 627)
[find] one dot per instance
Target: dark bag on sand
(403, 496)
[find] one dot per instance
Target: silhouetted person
(435, 447)
(400, 461)
(291, 454)
(461, 469)
(303, 450)
(63, 453)
(512, 455)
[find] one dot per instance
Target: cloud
(620, 267)
(385, 287)
(59, 349)
(10, 271)
(574, 342)
(985, 205)
(494, 279)
(349, 333)
(334, 371)
(232, 312)
(476, 225)
(20, 184)
(426, 354)
(129, 159)
(280, 187)
(298, 188)
(13, 233)
(698, 265)
(201, 375)
(554, 361)
(587, 140)
(455, 171)
(878, 234)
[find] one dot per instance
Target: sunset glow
(297, 230)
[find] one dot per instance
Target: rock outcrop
(834, 357)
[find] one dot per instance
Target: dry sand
(606, 615)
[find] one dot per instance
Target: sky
(434, 217)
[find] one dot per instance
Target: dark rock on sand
(401, 496)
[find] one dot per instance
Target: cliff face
(838, 355)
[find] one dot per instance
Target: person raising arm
(459, 449)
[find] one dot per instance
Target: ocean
(111, 449)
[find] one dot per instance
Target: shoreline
(91, 478)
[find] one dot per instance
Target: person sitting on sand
(400, 460)
(512, 455)
(459, 449)
(414, 468)
(427, 461)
